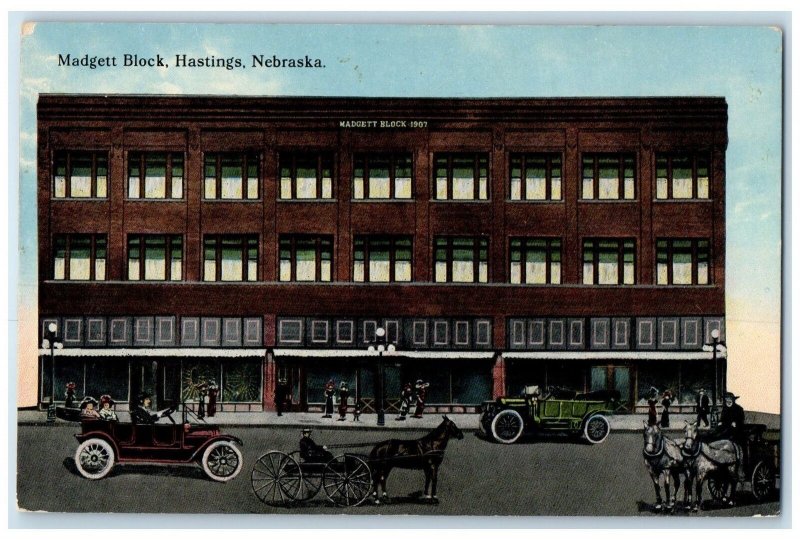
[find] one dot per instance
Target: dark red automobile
(104, 444)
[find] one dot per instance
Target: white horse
(720, 458)
(664, 462)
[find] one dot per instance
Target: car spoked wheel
(596, 429)
(507, 426)
(222, 461)
(94, 459)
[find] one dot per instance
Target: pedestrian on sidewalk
(213, 391)
(406, 397)
(69, 395)
(703, 406)
(421, 388)
(666, 401)
(330, 391)
(344, 393)
(652, 401)
(281, 395)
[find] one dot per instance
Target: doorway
(612, 377)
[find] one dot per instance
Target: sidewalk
(467, 422)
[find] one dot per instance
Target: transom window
(535, 260)
(231, 176)
(609, 177)
(609, 262)
(306, 176)
(382, 259)
(461, 176)
(306, 258)
(80, 175)
(230, 258)
(682, 177)
(535, 177)
(155, 175)
(79, 257)
(461, 260)
(155, 257)
(385, 176)
(682, 262)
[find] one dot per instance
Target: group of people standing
(410, 396)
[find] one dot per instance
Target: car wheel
(222, 461)
(596, 429)
(94, 459)
(507, 426)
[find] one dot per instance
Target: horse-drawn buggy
(347, 479)
(725, 464)
(554, 410)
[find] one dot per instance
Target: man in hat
(422, 391)
(141, 414)
(406, 396)
(311, 451)
(731, 422)
(330, 391)
(703, 406)
(106, 412)
(88, 410)
(212, 390)
(344, 393)
(281, 395)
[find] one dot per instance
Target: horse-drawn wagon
(556, 410)
(279, 478)
(759, 467)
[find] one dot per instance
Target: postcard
(400, 269)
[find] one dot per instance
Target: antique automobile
(104, 444)
(555, 411)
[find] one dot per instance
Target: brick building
(500, 242)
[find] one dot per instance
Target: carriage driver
(311, 451)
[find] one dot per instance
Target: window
(79, 257)
(461, 260)
(155, 175)
(682, 177)
(609, 177)
(231, 176)
(382, 177)
(682, 262)
(608, 262)
(306, 258)
(307, 176)
(230, 258)
(80, 175)
(535, 177)
(535, 260)
(382, 259)
(155, 257)
(461, 177)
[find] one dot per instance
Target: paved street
(545, 477)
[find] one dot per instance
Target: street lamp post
(50, 341)
(381, 346)
(715, 344)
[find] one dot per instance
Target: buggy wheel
(276, 479)
(596, 429)
(347, 480)
(222, 461)
(762, 481)
(507, 426)
(94, 459)
(718, 485)
(311, 479)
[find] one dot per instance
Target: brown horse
(425, 453)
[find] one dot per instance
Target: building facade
(500, 243)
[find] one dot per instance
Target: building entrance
(611, 377)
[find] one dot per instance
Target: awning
(612, 355)
(362, 353)
(176, 352)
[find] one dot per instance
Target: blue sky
(742, 64)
